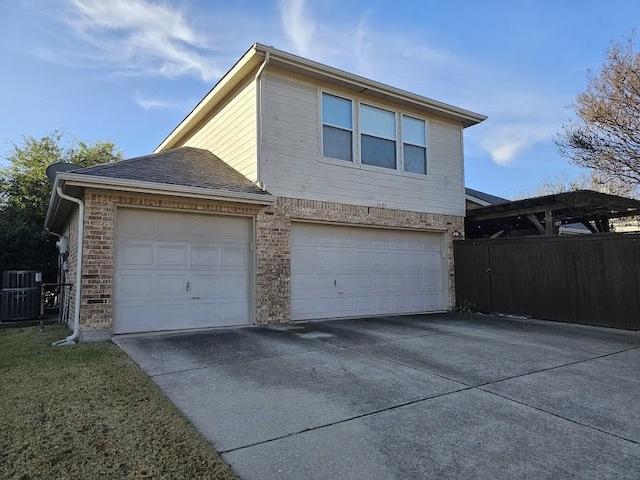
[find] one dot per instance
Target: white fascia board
(467, 117)
(106, 183)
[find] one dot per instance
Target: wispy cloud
(133, 37)
(150, 103)
(521, 116)
(506, 142)
(297, 24)
(140, 36)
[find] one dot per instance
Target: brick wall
(273, 251)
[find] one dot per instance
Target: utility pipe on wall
(259, 119)
(72, 339)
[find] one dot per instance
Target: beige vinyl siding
(230, 131)
(291, 163)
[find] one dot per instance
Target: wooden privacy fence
(590, 279)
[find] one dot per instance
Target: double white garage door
(179, 271)
(354, 271)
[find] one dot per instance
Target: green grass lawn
(88, 412)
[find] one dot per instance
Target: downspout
(259, 119)
(72, 339)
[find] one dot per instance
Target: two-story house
(292, 191)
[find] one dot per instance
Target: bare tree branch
(606, 135)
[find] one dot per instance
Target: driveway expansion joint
(345, 420)
(548, 412)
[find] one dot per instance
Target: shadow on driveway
(441, 396)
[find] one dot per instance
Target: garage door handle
(188, 286)
(195, 298)
(334, 283)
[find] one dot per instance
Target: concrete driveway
(416, 397)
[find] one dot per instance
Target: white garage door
(178, 270)
(354, 271)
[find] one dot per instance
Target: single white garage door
(341, 271)
(180, 270)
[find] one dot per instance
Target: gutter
(72, 339)
(468, 117)
(108, 183)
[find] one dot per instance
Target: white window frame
(354, 107)
(356, 136)
(425, 146)
(360, 133)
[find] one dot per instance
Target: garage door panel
(234, 256)
(344, 304)
(399, 281)
(392, 271)
(234, 286)
(167, 315)
(381, 259)
(235, 230)
(135, 254)
(204, 256)
(342, 281)
(400, 260)
(432, 282)
(232, 312)
(382, 303)
(363, 237)
(174, 225)
(203, 284)
(134, 284)
(170, 284)
(171, 255)
(363, 258)
(203, 229)
(363, 281)
(177, 273)
(136, 223)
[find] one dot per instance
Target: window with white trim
(414, 145)
(377, 137)
(384, 138)
(337, 127)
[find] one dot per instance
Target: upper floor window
(377, 137)
(337, 127)
(414, 144)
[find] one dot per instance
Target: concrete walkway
(416, 397)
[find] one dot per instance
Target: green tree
(24, 197)
(606, 134)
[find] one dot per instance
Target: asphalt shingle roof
(186, 166)
(492, 199)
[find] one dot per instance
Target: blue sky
(129, 70)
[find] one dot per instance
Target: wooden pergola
(545, 215)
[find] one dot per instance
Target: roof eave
(53, 203)
(284, 59)
(255, 55)
(136, 186)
